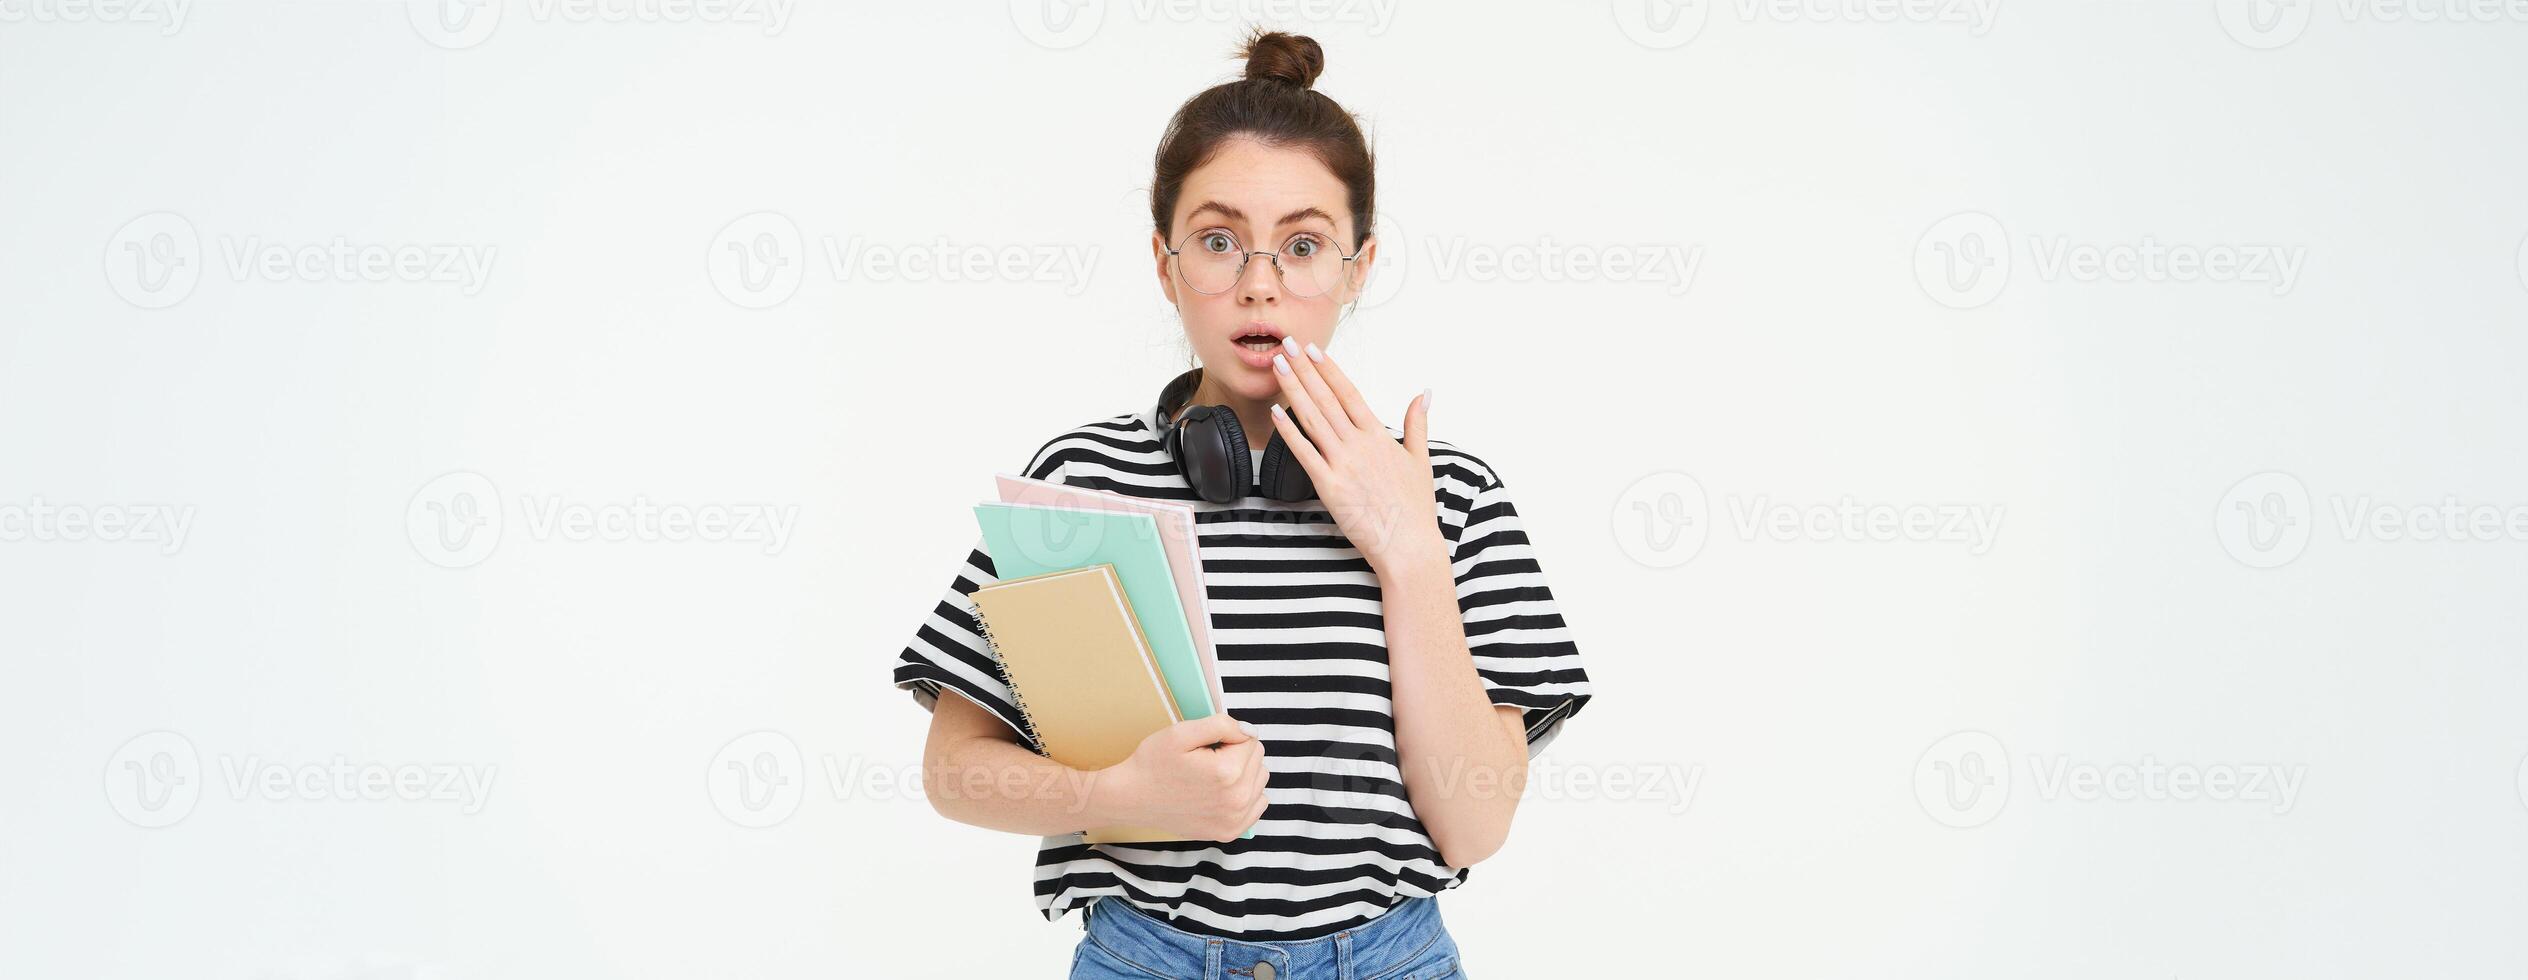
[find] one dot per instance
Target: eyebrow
(1234, 214)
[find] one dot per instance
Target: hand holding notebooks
(1080, 669)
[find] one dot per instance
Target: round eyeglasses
(1310, 265)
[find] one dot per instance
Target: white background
(1842, 339)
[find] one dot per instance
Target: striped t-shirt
(1295, 615)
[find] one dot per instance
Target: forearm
(1463, 765)
(998, 784)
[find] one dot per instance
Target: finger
(1303, 406)
(1257, 777)
(1217, 727)
(1354, 406)
(1263, 802)
(1417, 427)
(1314, 380)
(1300, 448)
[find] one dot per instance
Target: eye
(1218, 242)
(1303, 247)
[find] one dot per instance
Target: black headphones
(1209, 447)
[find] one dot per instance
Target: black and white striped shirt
(1302, 650)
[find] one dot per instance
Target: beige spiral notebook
(1075, 660)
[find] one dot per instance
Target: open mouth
(1260, 339)
(1257, 345)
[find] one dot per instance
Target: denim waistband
(1409, 933)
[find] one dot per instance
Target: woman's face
(1262, 196)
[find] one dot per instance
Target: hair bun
(1284, 57)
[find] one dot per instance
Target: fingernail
(1426, 399)
(1249, 728)
(1281, 365)
(1314, 354)
(1290, 344)
(1277, 408)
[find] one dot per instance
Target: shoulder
(1122, 436)
(1458, 474)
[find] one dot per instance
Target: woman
(1390, 654)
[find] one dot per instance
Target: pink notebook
(1176, 535)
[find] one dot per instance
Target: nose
(1260, 281)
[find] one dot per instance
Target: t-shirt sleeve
(947, 652)
(1523, 650)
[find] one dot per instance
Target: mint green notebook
(1025, 539)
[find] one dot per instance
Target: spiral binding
(1027, 721)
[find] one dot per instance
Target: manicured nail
(1426, 400)
(1281, 365)
(1314, 354)
(1249, 729)
(1291, 344)
(1277, 408)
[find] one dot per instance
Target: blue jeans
(1407, 942)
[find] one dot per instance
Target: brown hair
(1273, 104)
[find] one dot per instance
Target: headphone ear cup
(1211, 452)
(1283, 477)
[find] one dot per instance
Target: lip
(1258, 359)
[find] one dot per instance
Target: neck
(1255, 417)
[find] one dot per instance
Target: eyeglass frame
(1175, 255)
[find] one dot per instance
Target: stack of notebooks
(1099, 622)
